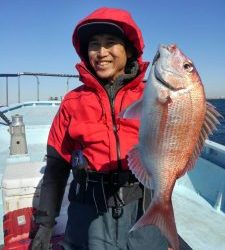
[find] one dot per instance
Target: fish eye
(188, 66)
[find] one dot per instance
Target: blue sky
(36, 37)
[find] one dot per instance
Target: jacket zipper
(112, 102)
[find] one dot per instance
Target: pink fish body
(175, 121)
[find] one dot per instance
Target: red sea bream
(175, 121)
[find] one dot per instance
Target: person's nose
(102, 52)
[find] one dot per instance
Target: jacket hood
(120, 17)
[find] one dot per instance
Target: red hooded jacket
(86, 120)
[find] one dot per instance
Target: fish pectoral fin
(133, 111)
(136, 167)
(209, 125)
(164, 97)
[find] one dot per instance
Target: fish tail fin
(162, 216)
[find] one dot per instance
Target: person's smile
(103, 64)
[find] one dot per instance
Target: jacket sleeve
(59, 137)
(53, 187)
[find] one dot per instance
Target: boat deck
(198, 197)
(199, 224)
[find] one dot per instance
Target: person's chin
(104, 75)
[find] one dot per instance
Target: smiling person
(88, 137)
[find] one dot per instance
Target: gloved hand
(42, 238)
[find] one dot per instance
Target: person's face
(107, 56)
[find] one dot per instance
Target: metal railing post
(38, 88)
(7, 91)
(18, 89)
(67, 84)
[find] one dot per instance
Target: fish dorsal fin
(209, 125)
(136, 167)
(133, 111)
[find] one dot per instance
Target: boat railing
(214, 152)
(36, 76)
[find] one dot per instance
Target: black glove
(42, 238)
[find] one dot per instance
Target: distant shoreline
(215, 98)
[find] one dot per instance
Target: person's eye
(111, 42)
(93, 45)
